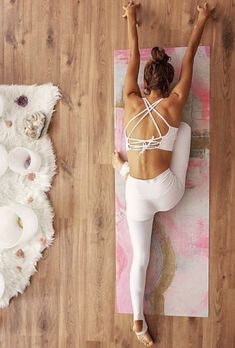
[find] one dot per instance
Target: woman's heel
(144, 335)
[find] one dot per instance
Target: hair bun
(159, 55)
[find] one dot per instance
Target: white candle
(23, 161)
(3, 159)
(2, 285)
(18, 224)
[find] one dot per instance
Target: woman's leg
(181, 152)
(141, 231)
(140, 234)
(178, 170)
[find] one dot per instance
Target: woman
(158, 148)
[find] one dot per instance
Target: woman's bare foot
(117, 161)
(144, 338)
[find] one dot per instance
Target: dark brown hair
(158, 73)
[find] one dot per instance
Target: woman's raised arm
(131, 89)
(181, 90)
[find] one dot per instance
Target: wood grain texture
(70, 302)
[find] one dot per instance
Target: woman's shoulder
(133, 103)
(172, 108)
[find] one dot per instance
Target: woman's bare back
(152, 162)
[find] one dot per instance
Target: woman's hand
(130, 9)
(204, 11)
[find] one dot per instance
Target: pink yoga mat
(177, 276)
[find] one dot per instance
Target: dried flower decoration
(22, 100)
(19, 222)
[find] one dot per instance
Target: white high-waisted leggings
(143, 199)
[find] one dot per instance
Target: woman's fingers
(130, 6)
(136, 5)
(206, 10)
(125, 9)
(199, 7)
(131, 3)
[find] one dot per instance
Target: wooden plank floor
(70, 302)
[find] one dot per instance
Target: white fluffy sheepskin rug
(17, 264)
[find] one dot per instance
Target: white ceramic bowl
(1, 105)
(2, 285)
(18, 157)
(3, 159)
(13, 231)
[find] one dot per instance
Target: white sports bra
(164, 142)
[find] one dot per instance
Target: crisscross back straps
(157, 112)
(146, 110)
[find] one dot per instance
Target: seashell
(43, 242)
(34, 125)
(31, 176)
(30, 199)
(20, 253)
(8, 123)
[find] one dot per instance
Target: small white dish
(3, 159)
(2, 285)
(18, 224)
(23, 161)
